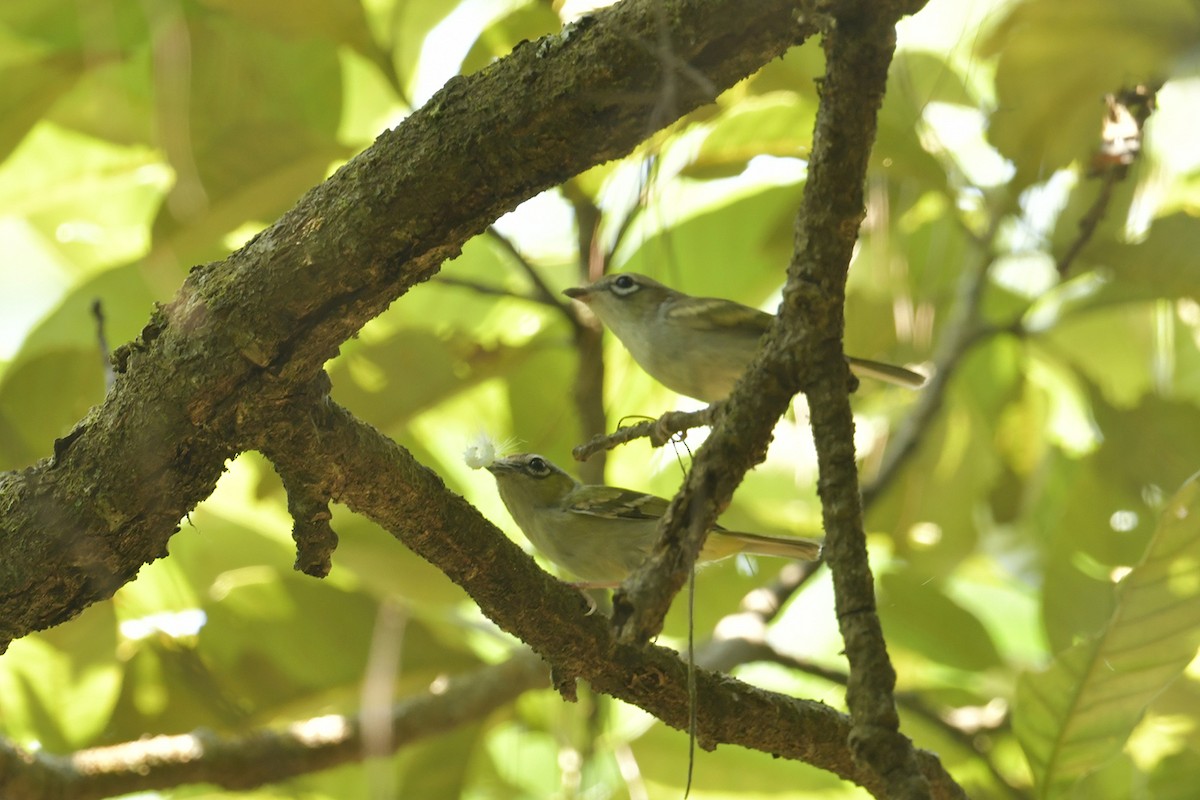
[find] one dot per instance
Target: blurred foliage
(1036, 556)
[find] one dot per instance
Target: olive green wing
(714, 313)
(612, 502)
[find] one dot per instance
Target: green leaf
(526, 22)
(1058, 59)
(914, 81)
(28, 90)
(261, 122)
(62, 385)
(388, 568)
(376, 379)
(1164, 264)
(1175, 777)
(338, 21)
(1078, 712)
(440, 765)
(86, 203)
(778, 124)
(407, 27)
(917, 613)
(59, 687)
(278, 638)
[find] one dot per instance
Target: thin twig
(960, 334)
(102, 343)
(1120, 147)
(1091, 220)
(587, 389)
(752, 650)
(483, 288)
(545, 295)
(658, 431)
(761, 605)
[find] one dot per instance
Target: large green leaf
(61, 385)
(1164, 264)
(58, 687)
(778, 124)
(1077, 712)
(28, 90)
(917, 613)
(259, 127)
(339, 21)
(1057, 60)
(379, 380)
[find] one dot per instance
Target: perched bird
(697, 346)
(600, 534)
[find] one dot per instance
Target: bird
(695, 346)
(600, 534)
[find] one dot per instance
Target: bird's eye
(624, 285)
(538, 466)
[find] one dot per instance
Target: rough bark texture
(326, 447)
(233, 363)
(244, 332)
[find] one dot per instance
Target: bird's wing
(614, 503)
(714, 313)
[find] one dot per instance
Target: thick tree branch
(247, 330)
(336, 454)
(216, 370)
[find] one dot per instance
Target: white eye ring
(624, 285)
(538, 466)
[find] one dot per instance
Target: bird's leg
(585, 586)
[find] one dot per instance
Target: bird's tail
(889, 373)
(722, 543)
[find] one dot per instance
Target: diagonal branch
(248, 331)
(324, 445)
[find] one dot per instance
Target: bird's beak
(500, 466)
(580, 293)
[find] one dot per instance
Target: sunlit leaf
(59, 687)
(524, 22)
(283, 114)
(1073, 715)
(62, 385)
(1163, 265)
(376, 380)
(777, 124)
(336, 20)
(438, 767)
